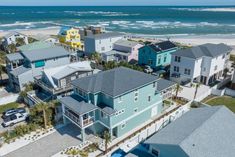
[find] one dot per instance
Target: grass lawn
(8, 106)
(224, 100)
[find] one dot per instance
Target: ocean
(152, 20)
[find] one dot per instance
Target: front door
(154, 111)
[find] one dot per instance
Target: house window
(149, 98)
(100, 41)
(39, 64)
(204, 69)
(102, 48)
(159, 60)
(150, 61)
(176, 69)
(136, 95)
(123, 125)
(177, 59)
(216, 67)
(155, 152)
(187, 71)
(165, 58)
(120, 99)
(136, 110)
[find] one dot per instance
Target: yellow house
(70, 36)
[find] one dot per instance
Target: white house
(101, 42)
(11, 38)
(123, 50)
(204, 63)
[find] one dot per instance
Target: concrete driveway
(51, 144)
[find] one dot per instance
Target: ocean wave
(102, 13)
(207, 9)
(19, 23)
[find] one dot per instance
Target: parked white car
(14, 119)
(148, 69)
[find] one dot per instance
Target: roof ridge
(217, 109)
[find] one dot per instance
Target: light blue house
(116, 100)
(156, 55)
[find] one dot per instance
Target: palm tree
(96, 56)
(42, 107)
(178, 89)
(107, 140)
(20, 42)
(196, 90)
(11, 48)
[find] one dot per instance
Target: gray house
(202, 132)
(11, 38)
(56, 82)
(23, 66)
(101, 42)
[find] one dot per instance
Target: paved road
(51, 144)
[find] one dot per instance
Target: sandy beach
(192, 40)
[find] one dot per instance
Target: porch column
(111, 133)
(83, 136)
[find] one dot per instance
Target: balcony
(53, 91)
(81, 120)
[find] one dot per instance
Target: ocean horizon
(150, 20)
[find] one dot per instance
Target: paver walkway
(51, 144)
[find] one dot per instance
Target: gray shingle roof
(126, 43)
(77, 105)
(109, 110)
(14, 56)
(164, 84)
(105, 35)
(210, 50)
(20, 70)
(45, 53)
(207, 131)
(114, 82)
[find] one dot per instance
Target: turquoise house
(156, 55)
(116, 100)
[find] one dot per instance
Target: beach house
(206, 131)
(116, 100)
(56, 82)
(156, 55)
(71, 37)
(32, 59)
(16, 38)
(204, 63)
(101, 42)
(123, 50)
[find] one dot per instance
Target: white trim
(134, 115)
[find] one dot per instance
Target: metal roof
(14, 56)
(45, 53)
(210, 50)
(126, 43)
(105, 35)
(114, 82)
(77, 105)
(206, 131)
(20, 70)
(35, 45)
(162, 46)
(164, 84)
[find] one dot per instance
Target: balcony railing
(75, 118)
(72, 117)
(54, 91)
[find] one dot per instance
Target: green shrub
(8, 106)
